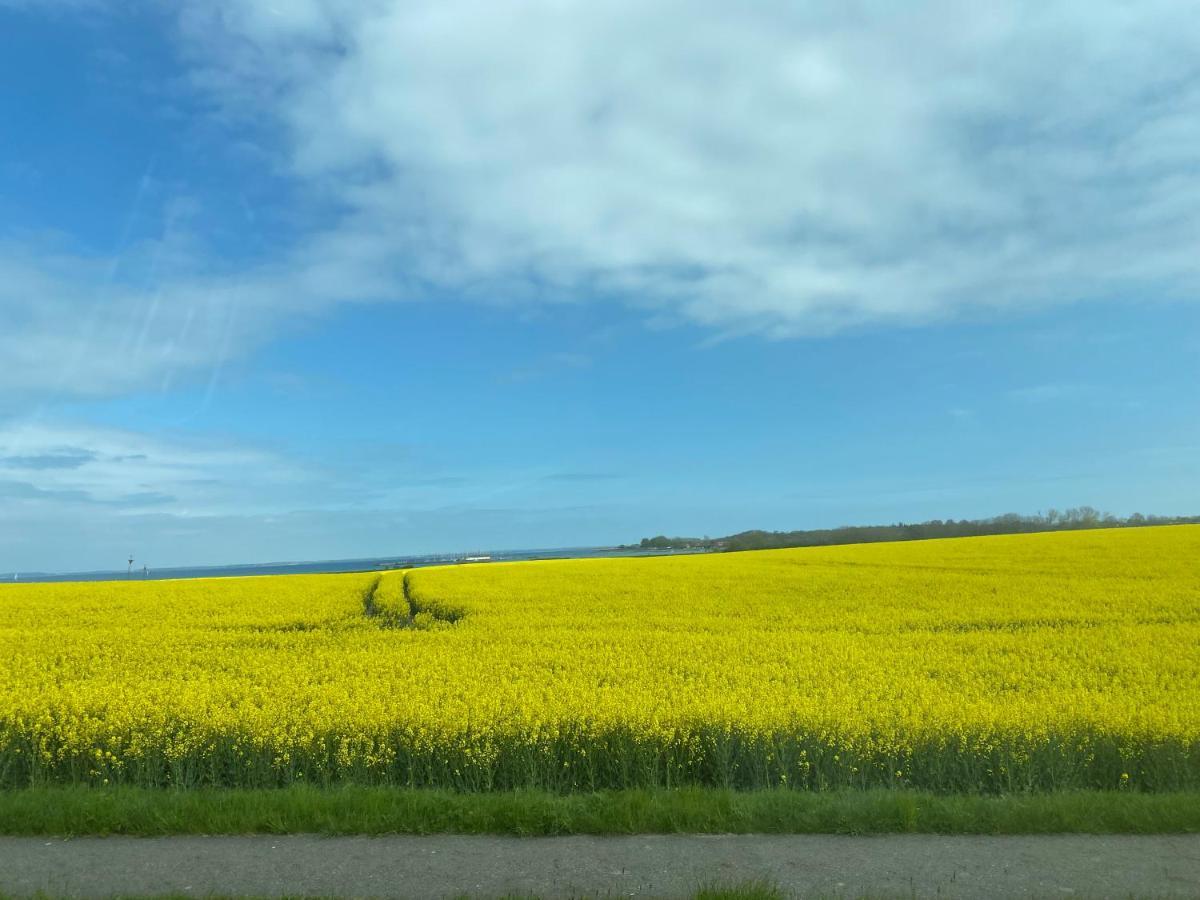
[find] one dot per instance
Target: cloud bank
(778, 169)
(89, 468)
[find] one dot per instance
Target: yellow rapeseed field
(1000, 663)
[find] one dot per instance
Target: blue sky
(317, 279)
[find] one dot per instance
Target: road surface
(650, 866)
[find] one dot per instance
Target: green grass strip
(380, 810)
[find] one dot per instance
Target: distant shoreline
(1076, 519)
(340, 566)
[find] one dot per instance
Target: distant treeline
(1009, 523)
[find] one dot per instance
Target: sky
(316, 279)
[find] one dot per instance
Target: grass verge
(378, 810)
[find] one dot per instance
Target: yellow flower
(812, 668)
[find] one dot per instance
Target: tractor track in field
(370, 608)
(408, 619)
(1091, 866)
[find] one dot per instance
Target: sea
(138, 572)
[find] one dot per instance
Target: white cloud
(75, 496)
(48, 466)
(774, 169)
(84, 326)
(66, 324)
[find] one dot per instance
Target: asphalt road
(651, 866)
